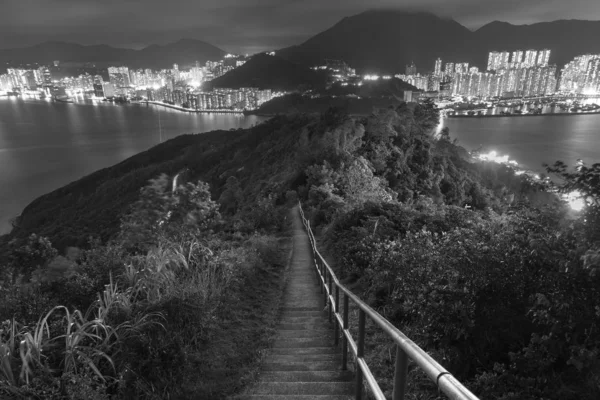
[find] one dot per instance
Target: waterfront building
(530, 58)
(592, 77)
(543, 58)
(433, 83)
(437, 70)
(461, 68)
(98, 90)
(449, 70)
(119, 76)
(517, 57)
(108, 89)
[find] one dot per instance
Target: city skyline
(252, 26)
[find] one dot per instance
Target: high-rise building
(543, 57)
(492, 60)
(438, 67)
(530, 58)
(461, 68)
(119, 76)
(411, 69)
(592, 77)
(498, 60)
(517, 57)
(504, 60)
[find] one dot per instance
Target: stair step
(324, 325)
(304, 388)
(301, 308)
(318, 313)
(303, 366)
(307, 376)
(281, 358)
(305, 350)
(303, 333)
(302, 342)
(295, 397)
(302, 320)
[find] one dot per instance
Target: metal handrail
(405, 348)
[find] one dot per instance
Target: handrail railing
(405, 348)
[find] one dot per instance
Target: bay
(45, 145)
(532, 141)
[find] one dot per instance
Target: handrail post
(329, 297)
(360, 352)
(337, 311)
(344, 338)
(324, 286)
(400, 374)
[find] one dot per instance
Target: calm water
(532, 141)
(45, 145)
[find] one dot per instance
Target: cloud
(240, 25)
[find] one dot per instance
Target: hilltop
(482, 267)
(385, 41)
(270, 72)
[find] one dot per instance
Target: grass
(234, 342)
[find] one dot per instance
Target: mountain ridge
(184, 51)
(385, 41)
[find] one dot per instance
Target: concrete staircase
(303, 364)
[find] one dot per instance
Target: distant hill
(384, 41)
(184, 52)
(387, 40)
(566, 38)
(270, 72)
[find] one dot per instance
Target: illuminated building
(433, 83)
(530, 58)
(498, 60)
(449, 70)
(98, 90)
(119, 76)
(592, 77)
(461, 68)
(543, 58)
(437, 71)
(411, 69)
(517, 57)
(576, 74)
(108, 89)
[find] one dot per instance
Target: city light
(575, 200)
(493, 156)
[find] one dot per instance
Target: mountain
(384, 41)
(387, 40)
(270, 72)
(566, 38)
(183, 52)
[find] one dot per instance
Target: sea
(45, 145)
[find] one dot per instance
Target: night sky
(241, 26)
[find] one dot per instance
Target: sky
(241, 26)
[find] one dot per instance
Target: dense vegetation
(351, 99)
(270, 72)
(482, 267)
(495, 278)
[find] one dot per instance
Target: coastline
(521, 115)
(188, 110)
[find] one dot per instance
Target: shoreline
(188, 110)
(522, 115)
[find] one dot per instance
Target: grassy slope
(93, 205)
(230, 356)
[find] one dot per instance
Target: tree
(231, 198)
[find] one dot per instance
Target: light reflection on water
(45, 145)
